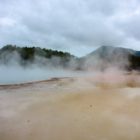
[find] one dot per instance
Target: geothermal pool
(71, 109)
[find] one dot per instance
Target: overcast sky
(77, 26)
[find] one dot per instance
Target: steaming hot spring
(102, 106)
(69, 70)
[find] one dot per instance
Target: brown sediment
(70, 108)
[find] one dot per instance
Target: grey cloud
(131, 27)
(66, 24)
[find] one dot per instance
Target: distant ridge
(108, 56)
(100, 59)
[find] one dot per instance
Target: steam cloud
(91, 103)
(41, 68)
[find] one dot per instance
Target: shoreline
(18, 85)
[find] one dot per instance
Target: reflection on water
(69, 109)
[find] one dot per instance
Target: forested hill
(30, 55)
(108, 56)
(100, 59)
